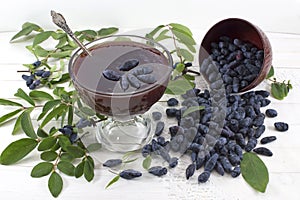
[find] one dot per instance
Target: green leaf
(55, 184)
(41, 37)
(17, 127)
(192, 109)
(62, 41)
(75, 151)
(114, 180)
(107, 31)
(90, 159)
(191, 47)
(179, 86)
(154, 31)
(17, 150)
(40, 51)
(41, 133)
(40, 95)
(61, 54)
(5, 102)
(47, 143)
(254, 171)
(88, 171)
(79, 170)
(64, 78)
(58, 110)
(27, 28)
(278, 90)
(66, 168)
(181, 27)
(70, 114)
(183, 36)
(8, 116)
(64, 142)
(188, 56)
(20, 93)
(67, 157)
(147, 162)
(94, 147)
(88, 111)
(27, 126)
(162, 36)
(41, 169)
(48, 106)
(270, 73)
(49, 155)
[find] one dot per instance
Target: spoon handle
(60, 21)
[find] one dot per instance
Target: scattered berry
(271, 113)
(281, 126)
(156, 115)
(172, 102)
(190, 170)
(130, 174)
(112, 162)
(263, 151)
(158, 170)
(203, 177)
(173, 162)
(269, 139)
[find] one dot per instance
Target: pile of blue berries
(216, 136)
(234, 62)
(34, 79)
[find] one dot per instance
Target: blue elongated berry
(46, 74)
(171, 112)
(156, 115)
(158, 170)
(32, 86)
(37, 82)
(190, 170)
(219, 168)
(161, 141)
(203, 177)
(173, 162)
(236, 172)
(268, 139)
(281, 126)
(112, 162)
(39, 72)
(29, 81)
(172, 102)
(263, 151)
(159, 128)
(37, 63)
(210, 164)
(146, 150)
(130, 174)
(111, 75)
(129, 64)
(73, 137)
(25, 77)
(271, 113)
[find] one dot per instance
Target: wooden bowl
(245, 31)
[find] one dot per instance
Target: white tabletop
(284, 166)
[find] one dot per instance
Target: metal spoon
(60, 21)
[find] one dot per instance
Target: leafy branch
(279, 90)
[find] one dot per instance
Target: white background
(270, 15)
